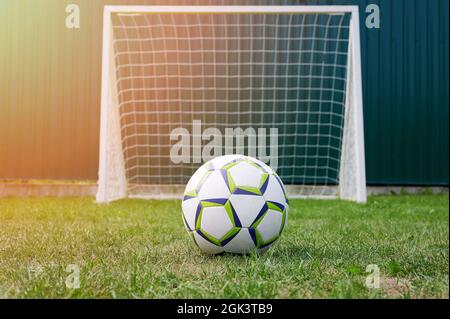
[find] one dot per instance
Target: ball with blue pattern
(235, 204)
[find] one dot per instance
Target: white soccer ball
(234, 204)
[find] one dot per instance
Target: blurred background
(50, 79)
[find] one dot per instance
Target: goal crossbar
(231, 9)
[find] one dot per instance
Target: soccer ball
(234, 204)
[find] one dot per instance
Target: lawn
(139, 249)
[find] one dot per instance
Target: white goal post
(180, 82)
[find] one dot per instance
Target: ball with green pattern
(234, 204)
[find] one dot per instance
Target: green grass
(139, 249)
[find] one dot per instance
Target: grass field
(139, 249)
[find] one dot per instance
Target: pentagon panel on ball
(234, 204)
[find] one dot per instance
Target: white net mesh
(274, 78)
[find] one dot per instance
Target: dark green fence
(50, 89)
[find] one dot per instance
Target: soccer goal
(183, 84)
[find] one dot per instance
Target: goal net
(182, 85)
